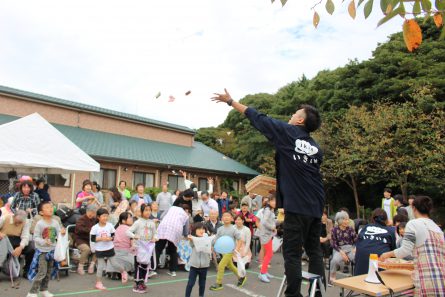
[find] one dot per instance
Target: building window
(143, 178)
(203, 184)
(176, 183)
(106, 178)
(58, 180)
(235, 186)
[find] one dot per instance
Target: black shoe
(216, 287)
(241, 281)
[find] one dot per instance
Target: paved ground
(162, 285)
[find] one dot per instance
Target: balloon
(224, 245)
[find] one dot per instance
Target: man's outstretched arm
(226, 98)
(269, 127)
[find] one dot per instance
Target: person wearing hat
(26, 199)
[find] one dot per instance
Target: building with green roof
(128, 147)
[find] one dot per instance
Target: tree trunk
(354, 189)
(403, 180)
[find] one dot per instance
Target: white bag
(61, 247)
(145, 250)
(241, 264)
(276, 243)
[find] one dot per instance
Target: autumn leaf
(351, 9)
(412, 34)
(316, 19)
(330, 7)
(438, 20)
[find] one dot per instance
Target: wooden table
(397, 280)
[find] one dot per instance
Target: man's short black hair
(313, 119)
(399, 198)
(188, 193)
(423, 204)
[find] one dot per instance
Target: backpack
(64, 212)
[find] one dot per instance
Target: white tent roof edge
(33, 145)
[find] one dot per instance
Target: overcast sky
(120, 54)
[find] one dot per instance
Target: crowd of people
(124, 236)
(129, 236)
(395, 230)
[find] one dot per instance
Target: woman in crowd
(121, 205)
(26, 199)
(140, 197)
(375, 238)
(425, 241)
(85, 197)
(343, 240)
(97, 193)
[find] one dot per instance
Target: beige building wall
(60, 115)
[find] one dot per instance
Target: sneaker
(263, 278)
(215, 287)
(241, 281)
(91, 268)
(269, 275)
(152, 273)
(46, 294)
(32, 295)
(80, 270)
(100, 286)
(140, 289)
(171, 273)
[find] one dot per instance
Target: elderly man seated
(82, 238)
(15, 228)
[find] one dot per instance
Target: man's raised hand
(225, 97)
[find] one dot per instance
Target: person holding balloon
(225, 245)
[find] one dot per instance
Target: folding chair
(313, 279)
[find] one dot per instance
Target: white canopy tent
(33, 145)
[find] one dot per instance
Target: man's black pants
(301, 231)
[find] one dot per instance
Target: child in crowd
(144, 231)
(233, 209)
(266, 233)
(45, 237)
(227, 230)
(101, 236)
(246, 239)
(123, 246)
(199, 260)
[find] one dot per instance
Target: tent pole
(73, 185)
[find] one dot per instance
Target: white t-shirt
(387, 207)
(105, 231)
